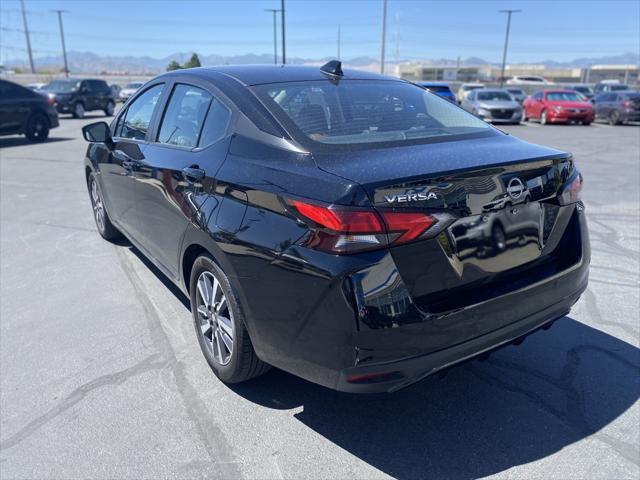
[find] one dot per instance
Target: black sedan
(315, 219)
(25, 112)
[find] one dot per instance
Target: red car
(561, 106)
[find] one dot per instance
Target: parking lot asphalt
(101, 375)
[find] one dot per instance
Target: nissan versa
(349, 228)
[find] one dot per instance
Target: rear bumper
(397, 374)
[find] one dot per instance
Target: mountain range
(88, 62)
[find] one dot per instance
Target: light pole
(506, 43)
(384, 34)
(284, 43)
(26, 33)
(64, 48)
(275, 37)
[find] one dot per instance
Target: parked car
(128, 90)
(309, 215)
(610, 86)
(439, 88)
(584, 90)
(558, 106)
(493, 105)
(36, 87)
(517, 93)
(526, 80)
(617, 107)
(115, 90)
(465, 88)
(25, 112)
(77, 96)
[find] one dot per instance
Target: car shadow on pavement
(523, 404)
(21, 141)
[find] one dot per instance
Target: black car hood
(377, 165)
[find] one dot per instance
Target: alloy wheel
(98, 206)
(215, 318)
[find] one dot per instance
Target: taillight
(339, 229)
(50, 101)
(572, 192)
(627, 104)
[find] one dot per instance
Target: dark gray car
(617, 107)
(493, 105)
(517, 93)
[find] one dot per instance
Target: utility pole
(338, 57)
(384, 34)
(275, 36)
(64, 48)
(284, 44)
(506, 42)
(26, 32)
(397, 52)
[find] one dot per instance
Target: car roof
(261, 74)
(435, 84)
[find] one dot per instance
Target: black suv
(76, 96)
(25, 112)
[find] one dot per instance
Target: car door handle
(193, 173)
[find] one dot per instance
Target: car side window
(537, 96)
(135, 122)
(215, 125)
(183, 119)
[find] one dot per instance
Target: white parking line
(529, 124)
(601, 125)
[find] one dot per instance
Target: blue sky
(558, 30)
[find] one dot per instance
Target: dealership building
(420, 71)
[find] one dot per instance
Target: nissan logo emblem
(515, 188)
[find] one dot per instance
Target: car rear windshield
(493, 96)
(364, 112)
(617, 88)
(564, 97)
(515, 91)
(62, 86)
(437, 88)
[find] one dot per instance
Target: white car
(464, 90)
(128, 90)
(527, 80)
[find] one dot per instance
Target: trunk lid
(500, 194)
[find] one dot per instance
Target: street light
(275, 38)
(506, 42)
(64, 48)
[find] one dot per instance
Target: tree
(173, 65)
(193, 62)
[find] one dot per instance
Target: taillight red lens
(340, 220)
(627, 104)
(410, 225)
(572, 192)
(339, 229)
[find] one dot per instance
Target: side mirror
(97, 132)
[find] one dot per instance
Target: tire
(543, 117)
(109, 109)
(499, 238)
(587, 123)
(219, 324)
(614, 118)
(78, 110)
(37, 128)
(100, 215)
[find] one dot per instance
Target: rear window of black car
(351, 112)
